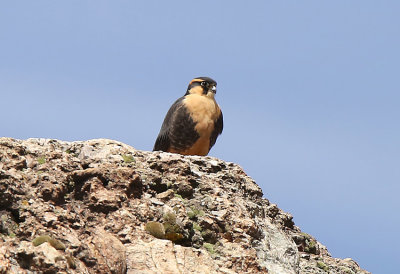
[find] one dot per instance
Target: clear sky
(309, 91)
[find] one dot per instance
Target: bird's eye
(204, 84)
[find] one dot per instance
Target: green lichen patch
(173, 231)
(40, 240)
(322, 266)
(194, 213)
(306, 235)
(309, 244)
(197, 227)
(46, 238)
(210, 248)
(169, 229)
(57, 244)
(169, 218)
(172, 228)
(178, 196)
(311, 247)
(346, 270)
(128, 158)
(170, 224)
(156, 229)
(41, 160)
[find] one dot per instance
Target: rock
(162, 256)
(43, 256)
(109, 252)
(166, 195)
(100, 206)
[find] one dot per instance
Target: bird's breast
(204, 111)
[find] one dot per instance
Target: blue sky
(309, 92)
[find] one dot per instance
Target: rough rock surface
(101, 206)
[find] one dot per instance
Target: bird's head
(204, 86)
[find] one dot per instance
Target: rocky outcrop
(101, 206)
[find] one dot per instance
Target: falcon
(193, 122)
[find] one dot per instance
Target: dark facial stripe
(197, 82)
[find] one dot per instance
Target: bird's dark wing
(163, 142)
(177, 130)
(218, 127)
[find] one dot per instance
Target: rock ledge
(100, 206)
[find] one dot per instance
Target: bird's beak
(214, 89)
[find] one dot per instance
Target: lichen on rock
(100, 206)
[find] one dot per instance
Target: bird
(194, 122)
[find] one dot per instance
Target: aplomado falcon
(193, 122)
